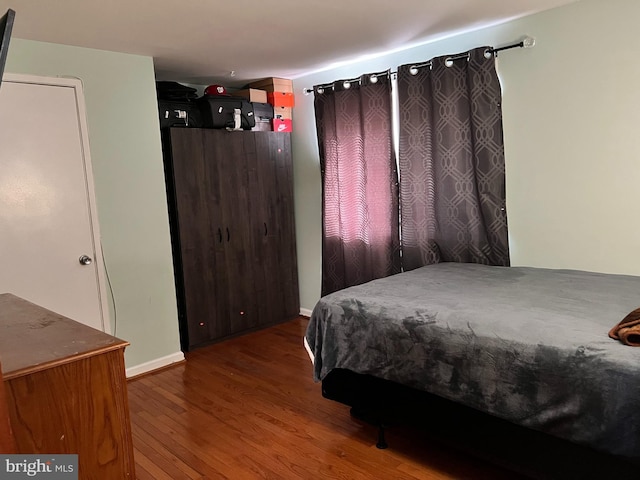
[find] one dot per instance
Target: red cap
(215, 90)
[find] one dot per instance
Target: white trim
(305, 312)
(41, 80)
(154, 364)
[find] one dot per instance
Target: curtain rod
(526, 42)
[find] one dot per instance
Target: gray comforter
(525, 344)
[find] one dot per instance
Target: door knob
(85, 260)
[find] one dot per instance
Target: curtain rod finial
(528, 42)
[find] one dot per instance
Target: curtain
(360, 217)
(451, 158)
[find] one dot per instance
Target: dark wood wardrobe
(230, 198)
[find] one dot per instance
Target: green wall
(571, 112)
(126, 154)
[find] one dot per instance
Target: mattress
(528, 345)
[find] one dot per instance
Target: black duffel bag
(174, 91)
(218, 111)
(179, 113)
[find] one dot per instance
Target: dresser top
(33, 338)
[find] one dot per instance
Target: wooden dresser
(66, 390)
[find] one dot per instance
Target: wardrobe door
(287, 254)
(265, 230)
(195, 214)
(276, 268)
(227, 151)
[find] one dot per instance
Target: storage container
(281, 99)
(273, 84)
(282, 125)
(252, 94)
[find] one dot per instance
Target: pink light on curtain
(360, 191)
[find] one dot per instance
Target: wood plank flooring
(248, 408)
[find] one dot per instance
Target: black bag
(262, 111)
(174, 91)
(219, 112)
(183, 113)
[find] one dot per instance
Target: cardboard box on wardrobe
(252, 94)
(273, 84)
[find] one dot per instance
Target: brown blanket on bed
(628, 330)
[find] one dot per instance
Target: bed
(526, 345)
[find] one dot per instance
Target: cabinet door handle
(228, 234)
(265, 228)
(219, 235)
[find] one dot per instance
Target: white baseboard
(305, 312)
(154, 364)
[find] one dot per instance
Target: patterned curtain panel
(452, 173)
(360, 218)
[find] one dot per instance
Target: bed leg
(371, 419)
(382, 443)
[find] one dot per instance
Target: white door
(49, 240)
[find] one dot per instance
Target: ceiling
(204, 41)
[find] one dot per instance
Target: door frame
(76, 84)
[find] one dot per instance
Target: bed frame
(388, 406)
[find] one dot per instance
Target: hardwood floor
(248, 408)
